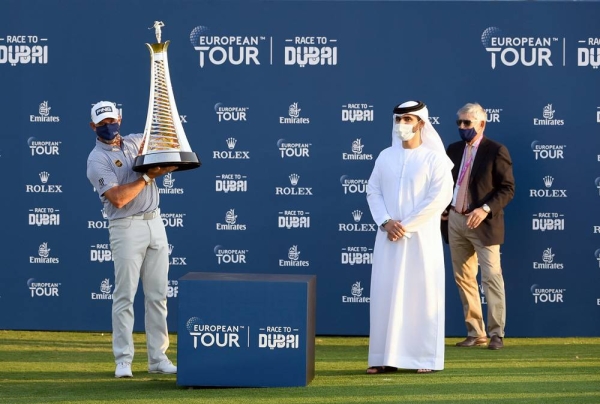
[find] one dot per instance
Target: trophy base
(182, 160)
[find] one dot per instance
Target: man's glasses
(466, 122)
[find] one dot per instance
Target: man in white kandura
(410, 186)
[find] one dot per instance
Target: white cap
(103, 110)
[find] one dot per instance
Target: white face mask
(404, 131)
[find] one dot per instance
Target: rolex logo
(170, 249)
(548, 180)
(357, 215)
(44, 175)
(104, 215)
(294, 179)
(231, 143)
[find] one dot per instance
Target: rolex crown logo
(44, 175)
(548, 180)
(357, 215)
(170, 249)
(294, 179)
(231, 143)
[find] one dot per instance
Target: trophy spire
(165, 143)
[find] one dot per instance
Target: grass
(65, 367)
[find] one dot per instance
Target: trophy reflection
(164, 143)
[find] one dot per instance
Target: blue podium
(246, 330)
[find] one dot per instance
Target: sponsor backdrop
(287, 104)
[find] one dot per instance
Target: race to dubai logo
(590, 55)
(23, 49)
(44, 217)
(311, 51)
(100, 253)
(231, 183)
(357, 113)
(548, 221)
(226, 49)
(517, 50)
(353, 255)
(293, 219)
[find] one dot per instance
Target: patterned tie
(462, 199)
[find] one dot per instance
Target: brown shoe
(496, 342)
(472, 341)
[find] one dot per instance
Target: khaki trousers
(466, 250)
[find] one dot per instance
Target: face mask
(405, 131)
(108, 132)
(467, 134)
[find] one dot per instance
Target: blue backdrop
(287, 104)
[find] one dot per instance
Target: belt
(146, 216)
(460, 213)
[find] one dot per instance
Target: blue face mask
(108, 132)
(467, 134)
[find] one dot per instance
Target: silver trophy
(164, 141)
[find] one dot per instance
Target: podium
(246, 330)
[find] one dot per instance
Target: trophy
(164, 142)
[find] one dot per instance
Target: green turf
(64, 367)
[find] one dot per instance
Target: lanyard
(463, 171)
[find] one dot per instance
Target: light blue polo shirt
(109, 166)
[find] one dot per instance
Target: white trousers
(140, 250)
